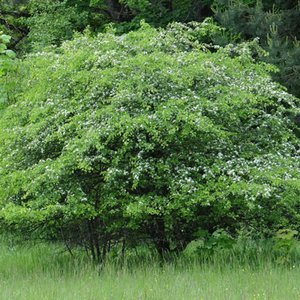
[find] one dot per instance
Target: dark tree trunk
(161, 242)
(169, 5)
(91, 241)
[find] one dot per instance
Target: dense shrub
(150, 136)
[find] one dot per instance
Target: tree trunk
(161, 242)
(169, 5)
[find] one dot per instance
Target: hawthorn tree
(156, 135)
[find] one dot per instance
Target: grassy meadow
(42, 271)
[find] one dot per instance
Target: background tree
(277, 25)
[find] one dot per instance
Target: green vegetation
(38, 23)
(277, 25)
(156, 136)
(149, 149)
(6, 68)
(38, 271)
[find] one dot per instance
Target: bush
(152, 136)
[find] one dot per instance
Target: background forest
(35, 24)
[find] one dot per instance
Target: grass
(41, 271)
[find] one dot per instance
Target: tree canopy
(156, 135)
(35, 24)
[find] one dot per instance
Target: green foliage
(12, 14)
(35, 24)
(4, 52)
(207, 244)
(52, 22)
(147, 136)
(277, 25)
(284, 242)
(6, 65)
(162, 12)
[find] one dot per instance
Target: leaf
(5, 38)
(10, 53)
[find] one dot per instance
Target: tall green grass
(249, 271)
